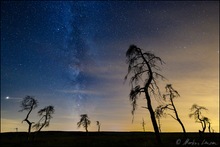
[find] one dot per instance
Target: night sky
(72, 55)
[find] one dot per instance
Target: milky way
(55, 37)
(71, 54)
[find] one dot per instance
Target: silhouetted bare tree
(84, 121)
(143, 124)
(197, 113)
(46, 115)
(99, 125)
(160, 110)
(28, 103)
(142, 67)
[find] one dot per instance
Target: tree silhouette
(197, 113)
(143, 65)
(46, 115)
(99, 125)
(28, 104)
(160, 110)
(143, 124)
(84, 121)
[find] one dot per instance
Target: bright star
(7, 97)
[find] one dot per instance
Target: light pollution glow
(190, 49)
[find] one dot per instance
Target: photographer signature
(194, 142)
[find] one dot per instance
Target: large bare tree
(160, 110)
(46, 115)
(28, 104)
(143, 67)
(84, 121)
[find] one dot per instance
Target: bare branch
(44, 121)
(172, 116)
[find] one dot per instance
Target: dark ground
(103, 139)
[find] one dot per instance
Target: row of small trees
(196, 111)
(85, 122)
(143, 70)
(28, 104)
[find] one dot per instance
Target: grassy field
(109, 139)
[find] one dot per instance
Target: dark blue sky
(72, 54)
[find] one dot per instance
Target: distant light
(7, 97)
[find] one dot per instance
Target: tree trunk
(29, 131)
(177, 117)
(149, 106)
(153, 118)
(29, 128)
(41, 127)
(45, 121)
(159, 125)
(184, 131)
(143, 127)
(86, 127)
(209, 127)
(201, 124)
(99, 128)
(204, 127)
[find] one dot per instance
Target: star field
(72, 55)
